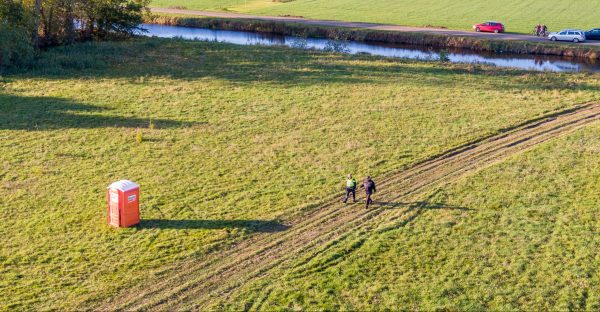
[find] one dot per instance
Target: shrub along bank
(31, 26)
(352, 34)
(15, 46)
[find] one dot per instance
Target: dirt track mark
(197, 283)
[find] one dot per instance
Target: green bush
(16, 48)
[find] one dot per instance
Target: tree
(15, 42)
(105, 17)
(37, 8)
(42, 23)
(54, 22)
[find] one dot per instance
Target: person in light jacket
(350, 188)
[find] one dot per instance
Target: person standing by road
(350, 188)
(544, 30)
(369, 185)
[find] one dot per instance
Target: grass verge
(225, 140)
(519, 16)
(418, 39)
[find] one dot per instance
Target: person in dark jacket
(369, 190)
(350, 188)
(544, 30)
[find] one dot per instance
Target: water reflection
(526, 62)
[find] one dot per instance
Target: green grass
(518, 16)
(521, 235)
(243, 138)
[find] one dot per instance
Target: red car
(494, 27)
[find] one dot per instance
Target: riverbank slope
(438, 38)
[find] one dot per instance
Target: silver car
(574, 35)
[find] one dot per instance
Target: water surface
(525, 62)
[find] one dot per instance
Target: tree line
(29, 25)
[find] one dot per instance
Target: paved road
(438, 31)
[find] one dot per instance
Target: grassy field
(229, 140)
(519, 235)
(518, 16)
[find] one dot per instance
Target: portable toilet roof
(123, 185)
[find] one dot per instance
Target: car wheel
(477, 29)
(495, 31)
(575, 40)
(553, 38)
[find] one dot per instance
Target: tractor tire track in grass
(200, 283)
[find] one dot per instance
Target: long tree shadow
(48, 113)
(251, 225)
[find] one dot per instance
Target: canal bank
(439, 39)
(415, 52)
(516, 61)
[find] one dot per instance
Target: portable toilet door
(114, 211)
(123, 204)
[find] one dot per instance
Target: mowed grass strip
(518, 16)
(225, 141)
(521, 235)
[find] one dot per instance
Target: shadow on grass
(420, 205)
(251, 225)
(48, 113)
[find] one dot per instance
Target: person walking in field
(369, 185)
(350, 188)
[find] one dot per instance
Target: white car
(574, 35)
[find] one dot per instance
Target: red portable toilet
(123, 204)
